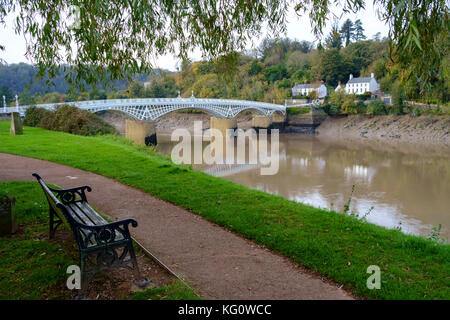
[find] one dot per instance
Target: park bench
(102, 245)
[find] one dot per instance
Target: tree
(359, 31)
(333, 67)
(25, 98)
(347, 31)
(135, 89)
(255, 68)
(115, 39)
(334, 39)
(274, 73)
(298, 60)
(359, 54)
(5, 91)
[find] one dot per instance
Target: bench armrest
(102, 234)
(67, 195)
(70, 195)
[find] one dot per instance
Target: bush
(348, 105)
(34, 116)
(69, 119)
(361, 107)
(376, 107)
(365, 96)
(337, 97)
(331, 109)
(398, 99)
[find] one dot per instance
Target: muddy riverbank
(426, 131)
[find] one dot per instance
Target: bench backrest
(58, 208)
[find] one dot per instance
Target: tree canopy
(114, 39)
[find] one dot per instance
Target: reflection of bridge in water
(153, 108)
(223, 170)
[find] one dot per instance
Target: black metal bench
(102, 245)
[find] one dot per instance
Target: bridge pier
(278, 121)
(261, 122)
(142, 132)
(222, 124)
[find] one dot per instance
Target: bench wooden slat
(95, 217)
(81, 218)
(84, 218)
(90, 216)
(85, 207)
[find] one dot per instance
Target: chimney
(372, 75)
(351, 76)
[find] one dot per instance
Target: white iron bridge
(150, 109)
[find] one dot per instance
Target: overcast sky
(297, 28)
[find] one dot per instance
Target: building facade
(306, 88)
(361, 85)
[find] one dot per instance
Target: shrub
(313, 95)
(337, 97)
(348, 105)
(376, 107)
(398, 99)
(71, 120)
(331, 109)
(361, 107)
(34, 116)
(365, 96)
(416, 112)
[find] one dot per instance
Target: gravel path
(216, 262)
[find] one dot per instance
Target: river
(405, 188)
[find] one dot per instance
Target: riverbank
(425, 130)
(335, 245)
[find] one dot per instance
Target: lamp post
(17, 103)
(4, 104)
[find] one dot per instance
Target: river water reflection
(406, 188)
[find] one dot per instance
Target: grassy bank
(336, 245)
(33, 267)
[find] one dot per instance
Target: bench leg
(142, 282)
(54, 223)
(84, 277)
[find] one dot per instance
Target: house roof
(303, 86)
(306, 86)
(359, 80)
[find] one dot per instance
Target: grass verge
(338, 246)
(33, 267)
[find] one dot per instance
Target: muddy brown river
(401, 186)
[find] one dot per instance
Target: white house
(361, 85)
(306, 88)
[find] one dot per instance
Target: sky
(297, 28)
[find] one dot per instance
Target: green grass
(175, 291)
(336, 245)
(31, 267)
(298, 110)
